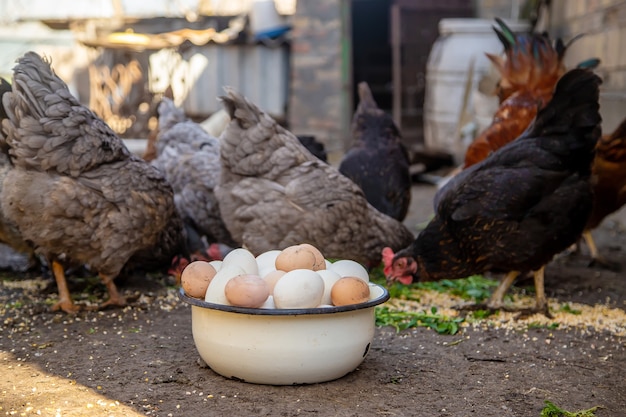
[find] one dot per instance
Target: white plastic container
(461, 41)
(284, 347)
(264, 17)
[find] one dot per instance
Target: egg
(348, 268)
(320, 262)
(242, 258)
(272, 277)
(269, 303)
(215, 292)
(196, 277)
(267, 260)
(302, 256)
(216, 264)
(329, 277)
(300, 288)
(246, 291)
(349, 290)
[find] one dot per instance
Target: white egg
(216, 264)
(328, 263)
(329, 277)
(348, 268)
(242, 258)
(267, 260)
(269, 303)
(300, 288)
(215, 292)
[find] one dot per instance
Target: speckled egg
(349, 290)
(302, 256)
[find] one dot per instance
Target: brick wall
(317, 100)
(604, 24)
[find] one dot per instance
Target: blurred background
(300, 61)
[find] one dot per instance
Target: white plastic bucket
(461, 41)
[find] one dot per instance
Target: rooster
(529, 71)
(520, 206)
(378, 162)
(75, 191)
(274, 193)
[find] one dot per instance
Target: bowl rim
(286, 311)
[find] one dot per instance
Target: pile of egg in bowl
(283, 317)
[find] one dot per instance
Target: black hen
(515, 210)
(378, 162)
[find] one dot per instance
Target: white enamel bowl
(284, 347)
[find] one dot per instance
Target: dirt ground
(142, 360)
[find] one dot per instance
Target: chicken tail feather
(240, 109)
(366, 99)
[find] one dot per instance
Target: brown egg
(304, 256)
(320, 262)
(247, 291)
(349, 290)
(272, 277)
(196, 278)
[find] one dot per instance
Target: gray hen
(189, 158)
(274, 193)
(75, 191)
(9, 233)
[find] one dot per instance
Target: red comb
(387, 259)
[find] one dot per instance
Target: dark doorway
(391, 40)
(371, 50)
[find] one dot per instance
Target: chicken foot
(496, 301)
(115, 298)
(541, 303)
(596, 258)
(65, 302)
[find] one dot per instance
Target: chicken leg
(541, 304)
(65, 299)
(115, 298)
(496, 300)
(596, 258)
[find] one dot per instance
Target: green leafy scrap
(565, 307)
(552, 410)
(402, 320)
(403, 292)
(476, 287)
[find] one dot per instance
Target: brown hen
(609, 172)
(75, 191)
